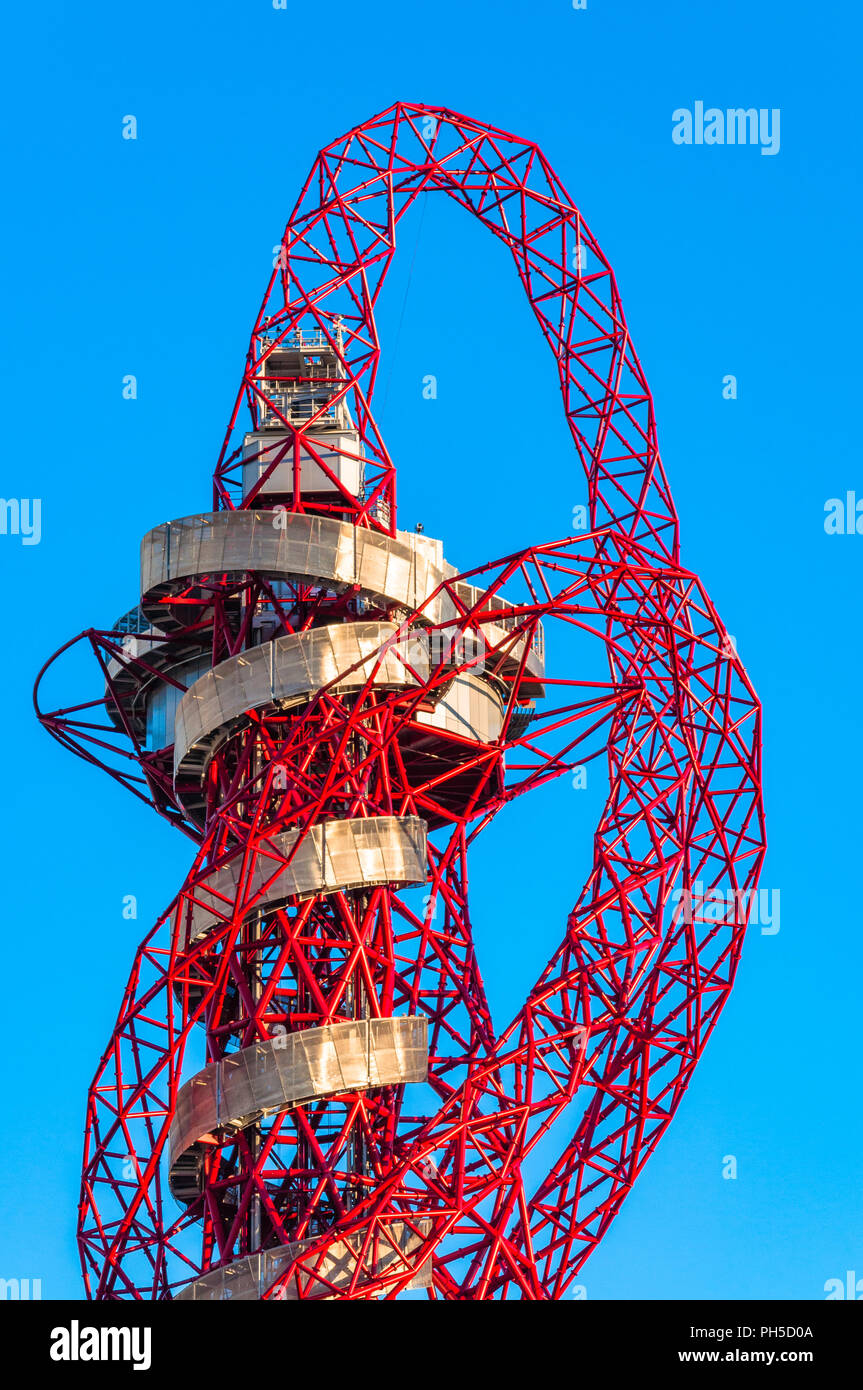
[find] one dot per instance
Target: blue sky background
(150, 257)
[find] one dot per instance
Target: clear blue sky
(150, 257)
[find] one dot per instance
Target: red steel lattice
(359, 1190)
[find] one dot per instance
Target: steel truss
(379, 1186)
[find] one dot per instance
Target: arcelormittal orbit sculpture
(305, 1095)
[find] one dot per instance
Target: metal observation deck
(288, 1070)
(335, 856)
(311, 607)
(396, 1245)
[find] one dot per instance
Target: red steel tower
(305, 1094)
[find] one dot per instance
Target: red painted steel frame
(597, 1059)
